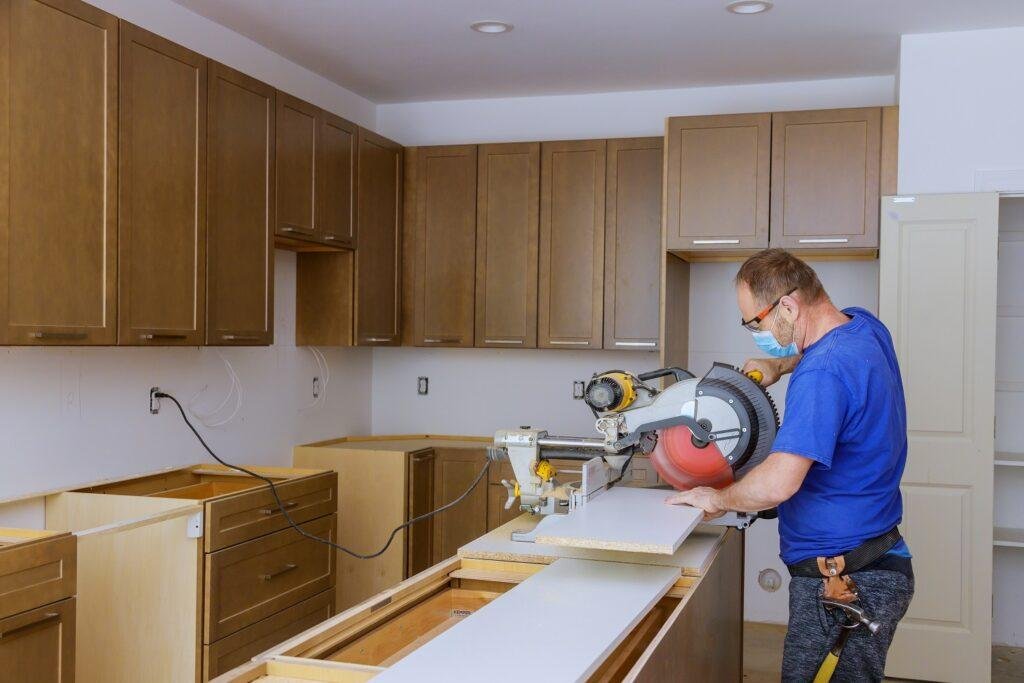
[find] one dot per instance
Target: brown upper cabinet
(336, 179)
(378, 217)
(296, 167)
(443, 243)
(717, 189)
(58, 173)
(825, 178)
(507, 216)
(161, 203)
(632, 248)
(240, 206)
(571, 263)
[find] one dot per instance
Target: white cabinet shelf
(1009, 459)
(1008, 537)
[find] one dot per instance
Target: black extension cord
(280, 505)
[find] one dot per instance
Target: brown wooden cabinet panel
(571, 265)
(717, 182)
(444, 245)
(889, 172)
(240, 205)
(454, 471)
(378, 217)
(161, 205)
(39, 646)
(825, 178)
(420, 543)
(632, 248)
(336, 180)
(324, 299)
(508, 196)
(58, 173)
(296, 167)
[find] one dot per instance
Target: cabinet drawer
(39, 646)
(254, 513)
(36, 573)
(255, 580)
(240, 647)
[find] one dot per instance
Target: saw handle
(677, 373)
(756, 375)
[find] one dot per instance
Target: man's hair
(773, 273)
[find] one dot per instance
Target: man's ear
(789, 308)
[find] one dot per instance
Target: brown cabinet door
(444, 245)
(420, 540)
(717, 188)
(58, 173)
(38, 646)
(454, 471)
(378, 217)
(161, 202)
(240, 205)
(336, 180)
(571, 270)
(507, 216)
(632, 248)
(296, 167)
(825, 176)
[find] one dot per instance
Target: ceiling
(409, 50)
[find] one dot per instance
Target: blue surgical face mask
(766, 341)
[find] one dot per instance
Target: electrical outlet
(154, 402)
(578, 389)
(316, 388)
(422, 386)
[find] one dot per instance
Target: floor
(762, 656)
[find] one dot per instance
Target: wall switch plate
(578, 388)
(422, 385)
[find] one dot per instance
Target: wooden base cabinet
(37, 606)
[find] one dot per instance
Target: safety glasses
(754, 323)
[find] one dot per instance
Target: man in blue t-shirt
(835, 467)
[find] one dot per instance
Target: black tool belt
(850, 561)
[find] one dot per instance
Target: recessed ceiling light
(491, 26)
(749, 6)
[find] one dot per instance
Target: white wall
(961, 107)
(618, 114)
(209, 38)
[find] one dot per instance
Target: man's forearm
(788, 364)
(750, 494)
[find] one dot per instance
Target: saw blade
(686, 464)
(758, 410)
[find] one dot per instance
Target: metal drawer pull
(442, 340)
(716, 241)
(825, 240)
(58, 335)
(332, 238)
(378, 339)
(273, 511)
(151, 337)
(570, 343)
(49, 616)
(239, 337)
(648, 344)
(503, 341)
(283, 570)
(287, 229)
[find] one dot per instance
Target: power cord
(288, 518)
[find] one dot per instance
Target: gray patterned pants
(884, 595)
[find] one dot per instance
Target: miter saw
(698, 431)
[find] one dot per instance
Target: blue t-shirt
(845, 411)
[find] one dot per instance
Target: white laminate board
(691, 558)
(623, 518)
(579, 609)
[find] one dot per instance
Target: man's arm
(772, 369)
(772, 482)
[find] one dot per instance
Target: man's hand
(703, 497)
(772, 369)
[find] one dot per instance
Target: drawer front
(252, 514)
(39, 646)
(240, 647)
(36, 574)
(255, 580)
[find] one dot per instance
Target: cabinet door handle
(442, 340)
(58, 335)
(824, 240)
(570, 343)
(331, 237)
(377, 339)
(239, 337)
(287, 229)
(716, 241)
(156, 335)
(283, 570)
(273, 511)
(644, 344)
(49, 616)
(503, 341)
